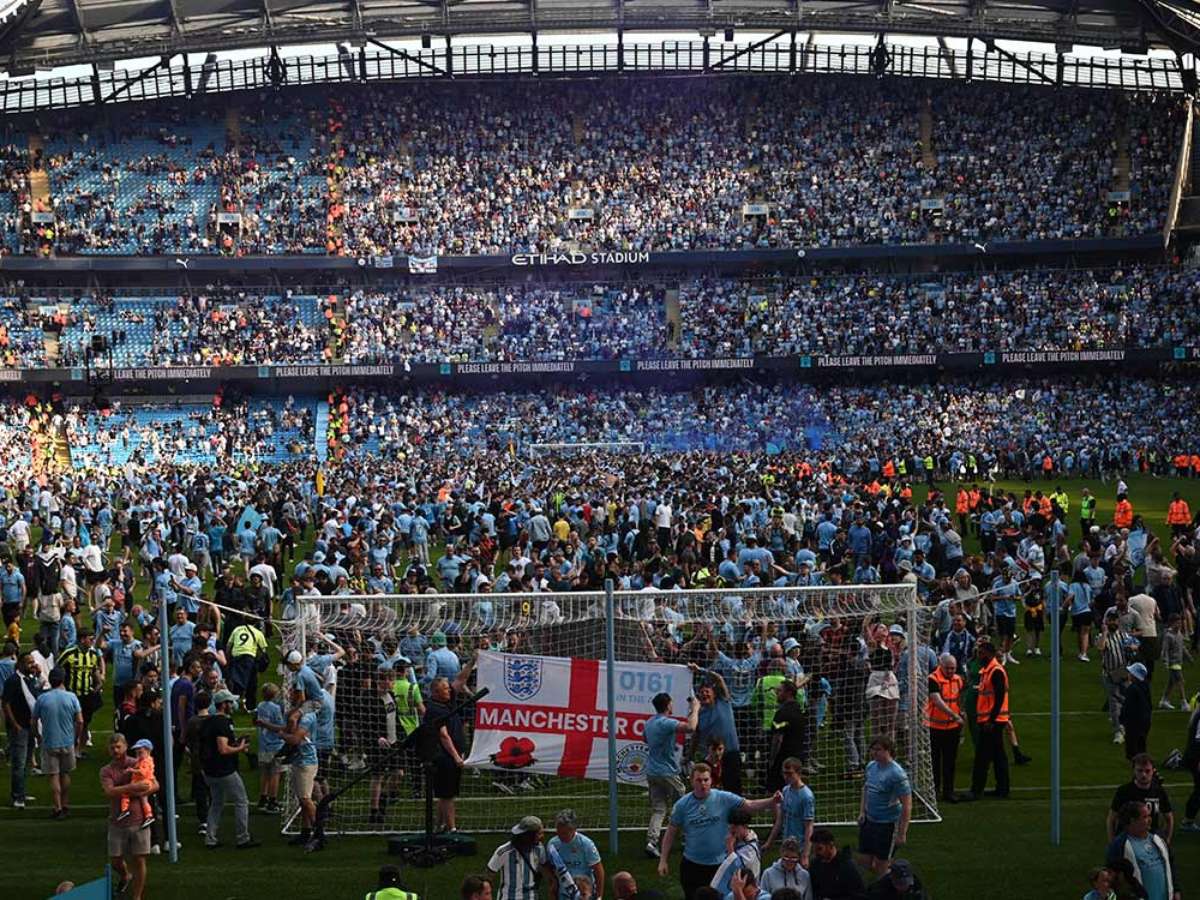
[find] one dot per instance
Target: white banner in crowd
(549, 715)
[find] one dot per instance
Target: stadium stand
(633, 165)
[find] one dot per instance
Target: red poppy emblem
(515, 753)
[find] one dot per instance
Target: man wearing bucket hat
(1136, 710)
(521, 862)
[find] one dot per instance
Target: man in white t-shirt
(93, 559)
(1146, 616)
(662, 521)
(18, 533)
(176, 563)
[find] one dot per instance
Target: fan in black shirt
(1144, 788)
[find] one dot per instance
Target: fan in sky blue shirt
(124, 663)
(740, 676)
(885, 785)
(11, 585)
(164, 588)
(308, 681)
(107, 624)
(578, 856)
(440, 663)
(662, 760)
(247, 540)
(826, 532)
(307, 755)
(420, 530)
(1005, 593)
(56, 709)
(216, 536)
(1080, 594)
(66, 631)
(716, 720)
(323, 735)
(269, 711)
(799, 808)
(181, 640)
(705, 825)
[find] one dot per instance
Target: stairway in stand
(674, 319)
(928, 158)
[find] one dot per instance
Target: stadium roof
(60, 32)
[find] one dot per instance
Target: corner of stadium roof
(45, 37)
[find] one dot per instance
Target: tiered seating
(661, 165)
(148, 187)
(20, 336)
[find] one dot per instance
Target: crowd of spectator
(623, 165)
(1008, 428)
(877, 314)
(1126, 307)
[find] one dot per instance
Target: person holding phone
(219, 749)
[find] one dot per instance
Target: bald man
(625, 888)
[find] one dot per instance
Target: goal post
(739, 634)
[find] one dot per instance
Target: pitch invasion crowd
(412, 516)
(662, 165)
(569, 525)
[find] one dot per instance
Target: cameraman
(219, 750)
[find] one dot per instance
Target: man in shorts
(298, 734)
(128, 841)
(61, 717)
(886, 808)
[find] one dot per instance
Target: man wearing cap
(521, 862)
(1136, 710)
(899, 883)
(219, 750)
(410, 710)
(440, 661)
(389, 886)
(304, 676)
(573, 855)
(190, 590)
(662, 763)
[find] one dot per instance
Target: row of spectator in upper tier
(663, 164)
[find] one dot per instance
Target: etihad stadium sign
(579, 258)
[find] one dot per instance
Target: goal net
(834, 636)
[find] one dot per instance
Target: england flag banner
(548, 714)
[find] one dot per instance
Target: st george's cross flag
(549, 714)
